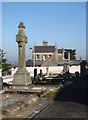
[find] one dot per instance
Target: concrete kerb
(39, 109)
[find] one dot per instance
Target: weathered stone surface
(21, 25)
(22, 76)
(15, 106)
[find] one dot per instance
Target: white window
(49, 56)
(44, 57)
(37, 57)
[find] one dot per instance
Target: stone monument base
(21, 79)
(19, 88)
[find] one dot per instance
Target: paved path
(71, 103)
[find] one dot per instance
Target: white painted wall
(56, 69)
(13, 71)
(7, 80)
(52, 70)
(31, 70)
(74, 69)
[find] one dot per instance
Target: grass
(49, 94)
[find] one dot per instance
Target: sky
(44, 0)
(63, 23)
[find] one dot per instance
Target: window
(44, 57)
(49, 56)
(37, 57)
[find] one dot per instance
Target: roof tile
(44, 49)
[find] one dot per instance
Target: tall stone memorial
(22, 76)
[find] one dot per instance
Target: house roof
(44, 49)
(60, 50)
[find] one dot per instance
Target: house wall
(41, 56)
(60, 57)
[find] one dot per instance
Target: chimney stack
(45, 43)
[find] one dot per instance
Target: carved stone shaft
(21, 77)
